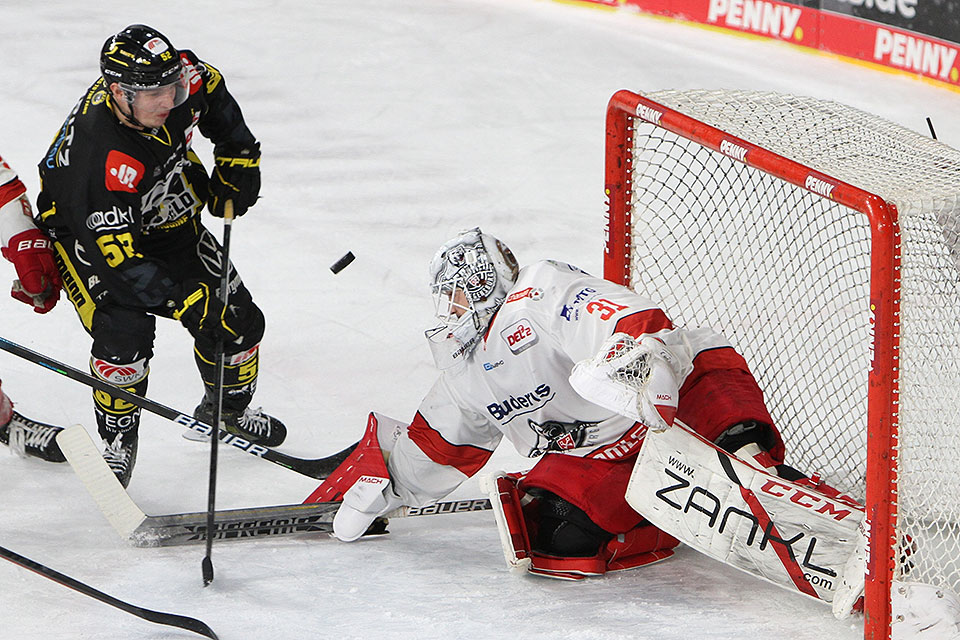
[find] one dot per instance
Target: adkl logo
(123, 172)
(520, 336)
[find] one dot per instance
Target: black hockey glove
(236, 177)
(203, 314)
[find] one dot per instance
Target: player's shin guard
(240, 373)
(548, 536)
(118, 421)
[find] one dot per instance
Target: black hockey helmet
(140, 57)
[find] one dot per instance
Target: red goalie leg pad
(514, 534)
(6, 408)
(365, 461)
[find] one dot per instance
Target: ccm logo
(811, 501)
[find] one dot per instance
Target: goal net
(824, 242)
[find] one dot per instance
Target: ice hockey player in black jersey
(121, 196)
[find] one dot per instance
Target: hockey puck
(342, 263)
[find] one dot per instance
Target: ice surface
(386, 127)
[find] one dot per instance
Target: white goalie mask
(469, 278)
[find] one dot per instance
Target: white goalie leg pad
(923, 612)
(637, 379)
(788, 534)
(850, 586)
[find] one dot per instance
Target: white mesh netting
(784, 274)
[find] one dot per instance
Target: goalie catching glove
(236, 177)
(637, 379)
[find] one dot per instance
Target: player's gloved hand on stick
(39, 281)
(236, 177)
(202, 312)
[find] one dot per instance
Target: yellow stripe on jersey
(215, 77)
(74, 287)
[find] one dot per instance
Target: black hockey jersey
(115, 198)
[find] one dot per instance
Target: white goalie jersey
(515, 384)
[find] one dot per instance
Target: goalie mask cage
(823, 242)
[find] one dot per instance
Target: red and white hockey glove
(362, 481)
(369, 498)
(39, 281)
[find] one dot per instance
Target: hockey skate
(121, 455)
(252, 425)
(27, 437)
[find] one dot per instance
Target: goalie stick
(143, 530)
(159, 617)
(318, 468)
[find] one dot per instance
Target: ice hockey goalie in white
(507, 344)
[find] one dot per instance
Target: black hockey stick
(143, 530)
(318, 468)
(159, 617)
(207, 563)
(280, 520)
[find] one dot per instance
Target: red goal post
(761, 215)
